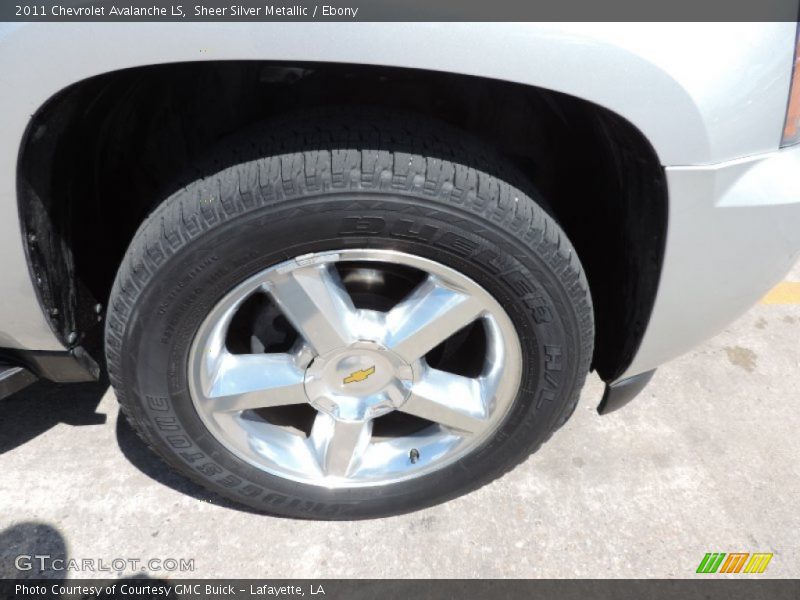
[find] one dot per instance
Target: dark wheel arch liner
(602, 144)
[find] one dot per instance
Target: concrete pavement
(705, 460)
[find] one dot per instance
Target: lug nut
(413, 456)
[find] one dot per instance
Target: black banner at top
(397, 10)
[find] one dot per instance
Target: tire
(341, 180)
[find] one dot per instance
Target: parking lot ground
(705, 460)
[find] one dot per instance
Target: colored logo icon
(359, 375)
(734, 562)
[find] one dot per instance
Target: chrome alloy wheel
(356, 391)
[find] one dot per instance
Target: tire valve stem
(413, 456)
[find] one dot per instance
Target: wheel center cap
(361, 381)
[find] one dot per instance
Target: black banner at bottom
(396, 589)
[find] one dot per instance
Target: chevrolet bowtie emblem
(360, 375)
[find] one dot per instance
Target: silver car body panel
(734, 232)
(710, 98)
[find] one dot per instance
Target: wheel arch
(131, 130)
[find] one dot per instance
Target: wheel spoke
(339, 445)
(248, 381)
(448, 399)
(427, 317)
(314, 299)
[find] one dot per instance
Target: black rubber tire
(340, 179)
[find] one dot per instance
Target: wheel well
(101, 153)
